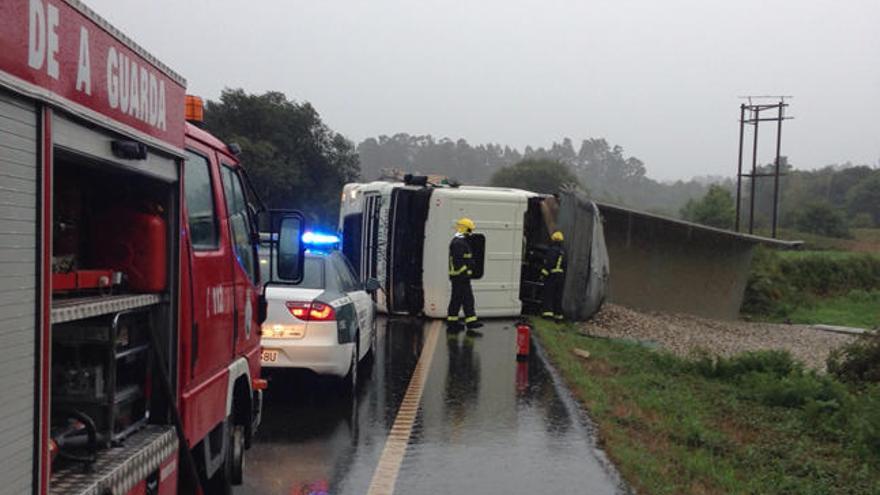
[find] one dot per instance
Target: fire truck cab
(130, 297)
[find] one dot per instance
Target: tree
(823, 219)
(539, 175)
(865, 197)
(293, 158)
(716, 208)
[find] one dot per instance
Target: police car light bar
(318, 239)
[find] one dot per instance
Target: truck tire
(236, 454)
(222, 481)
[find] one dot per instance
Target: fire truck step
(80, 308)
(118, 469)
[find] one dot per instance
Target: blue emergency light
(318, 240)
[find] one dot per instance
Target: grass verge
(837, 288)
(863, 240)
(757, 423)
(857, 309)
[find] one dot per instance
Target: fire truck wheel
(221, 482)
(236, 454)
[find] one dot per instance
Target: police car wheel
(373, 336)
(351, 380)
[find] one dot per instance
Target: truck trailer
(399, 233)
(130, 297)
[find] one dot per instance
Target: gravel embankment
(685, 334)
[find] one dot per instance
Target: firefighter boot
(453, 325)
(472, 323)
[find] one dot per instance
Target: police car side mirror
(291, 248)
(372, 285)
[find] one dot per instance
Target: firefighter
(554, 277)
(461, 269)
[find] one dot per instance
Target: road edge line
(388, 467)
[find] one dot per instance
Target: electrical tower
(751, 114)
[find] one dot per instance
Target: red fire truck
(130, 299)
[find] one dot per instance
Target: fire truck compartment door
(18, 290)
(73, 136)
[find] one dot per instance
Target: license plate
(269, 356)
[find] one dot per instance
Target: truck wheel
(221, 482)
(236, 454)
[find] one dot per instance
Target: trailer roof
(675, 222)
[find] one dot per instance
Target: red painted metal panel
(53, 46)
(253, 358)
(168, 474)
(204, 406)
(138, 489)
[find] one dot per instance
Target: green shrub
(857, 362)
(866, 424)
(861, 221)
(767, 289)
(794, 390)
(772, 363)
(779, 282)
(823, 219)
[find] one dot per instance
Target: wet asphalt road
(487, 424)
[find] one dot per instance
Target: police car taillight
(314, 311)
(322, 312)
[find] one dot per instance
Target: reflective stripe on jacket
(554, 261)
(460, 257)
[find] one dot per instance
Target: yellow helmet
(557, 236)
(465, 225)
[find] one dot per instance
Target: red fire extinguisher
(523, 331)
(522, 376)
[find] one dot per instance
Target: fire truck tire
(236, 453)
(221, 482)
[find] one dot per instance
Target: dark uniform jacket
(554, 261)
(460, 258)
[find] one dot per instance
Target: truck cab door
(209, 286)
(244, 263)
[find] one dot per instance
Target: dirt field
(685, 334)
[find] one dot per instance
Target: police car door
(363, 303)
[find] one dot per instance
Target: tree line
(296, 161)
(600, 167)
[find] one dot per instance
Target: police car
(326, 323)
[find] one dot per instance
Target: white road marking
(385, 476)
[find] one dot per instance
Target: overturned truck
(399, 233)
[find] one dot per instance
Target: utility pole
(750, 114)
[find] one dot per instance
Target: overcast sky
(660, 78)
